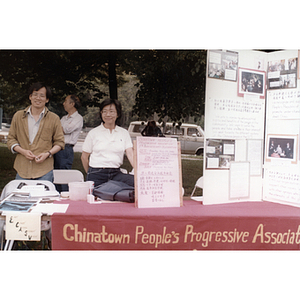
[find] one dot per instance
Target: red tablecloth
(122, 226)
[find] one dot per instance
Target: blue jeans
(64, 160)
(101, 175)
(48, 176)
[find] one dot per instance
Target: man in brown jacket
(35, 135)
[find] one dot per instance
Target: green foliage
(172, 83)
(6, 165)
(92, 117)
(68, 71)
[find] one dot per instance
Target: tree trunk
(113, 90)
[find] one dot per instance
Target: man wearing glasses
(35, 135)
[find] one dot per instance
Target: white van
(191, 136)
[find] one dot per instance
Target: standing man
(35, 136)
(71, 124)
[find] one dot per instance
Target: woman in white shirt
(104, 147)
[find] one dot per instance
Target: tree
(172, 83)
(112, 75)
(66, 71)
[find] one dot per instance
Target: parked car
(3, 136)
(191, 136)
(4, 132)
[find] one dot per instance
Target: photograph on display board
(282, 147)
(251, 82)
(219, 153)
(282, 74)
(223, 65)
(298, 64)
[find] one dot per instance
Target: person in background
(288, 152)
(152, 130)
(72, 124)
(279, 150)
(35, 136)
(104, 147)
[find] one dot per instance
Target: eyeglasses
(35, 95)
(111, 112)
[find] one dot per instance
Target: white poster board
(236, 114)
(264, 125)
(281, 162)
(157, 172)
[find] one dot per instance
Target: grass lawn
(192, 169)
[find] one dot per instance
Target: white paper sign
(254, 156)
(158, 172)
(228, 149)
(282, 184)
(234, 118)
(239, 180)
(284, 104)
(23, 226)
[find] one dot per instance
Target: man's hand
(40, 158)
(28, 154)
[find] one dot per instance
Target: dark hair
(76, 101)
(37, 86)
(150, 129)
(118, 106)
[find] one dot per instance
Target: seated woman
(104, 147)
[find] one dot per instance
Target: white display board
(234, 116)
(158, 180)
(281, 164)
(256, 109)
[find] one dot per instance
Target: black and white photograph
(251, 82)
(223, 65)
(219, 153)
(282, 74)
(282, 147)
(298, 69)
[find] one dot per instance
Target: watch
(50, 155)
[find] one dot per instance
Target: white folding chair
(13, 186)
(198, 184)
(67, 176)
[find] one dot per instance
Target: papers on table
(49, 208)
